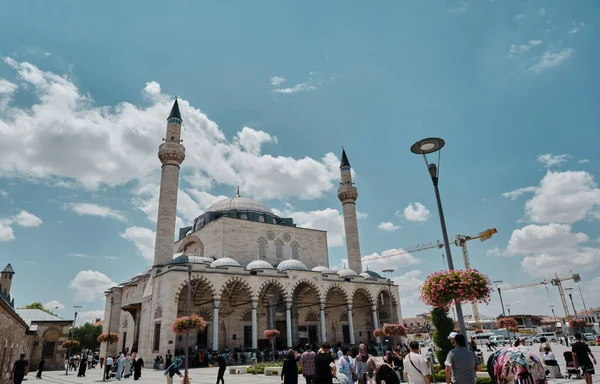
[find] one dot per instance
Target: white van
(498, 340)
(550, 336)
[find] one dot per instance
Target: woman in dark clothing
(289, 373)
(82, 366)
(40, 368)
(137, 368)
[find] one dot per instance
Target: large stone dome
(347, 273)
(239, 203)
(292, 265)
(224, 262)
(258, 264)
(180, 258)
(322, 269)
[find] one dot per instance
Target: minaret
(171, 154)
(347, 193)
(6, 279)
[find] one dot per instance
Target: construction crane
(460, 241)
(557, 282)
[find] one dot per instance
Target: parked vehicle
(550, 336)
(499, 340)
(588, 336)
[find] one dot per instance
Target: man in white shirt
(416, 366)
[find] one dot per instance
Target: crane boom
(397, 252)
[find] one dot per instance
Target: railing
(171, 146)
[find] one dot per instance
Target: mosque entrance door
(202, 338)
(312, 334)
(346, 333)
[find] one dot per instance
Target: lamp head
(427, 146)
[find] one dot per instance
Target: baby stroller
(572, 368)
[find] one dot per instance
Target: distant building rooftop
(31, 315)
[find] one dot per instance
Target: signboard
(526, 331)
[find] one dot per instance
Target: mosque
(251, 270)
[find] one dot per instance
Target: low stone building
(15, 336)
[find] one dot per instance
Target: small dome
(347, 273)
(292, 264)
(322, 269)
(224, 262)
(370, 275)
(258, 264)
(181, 258)
(240, 204)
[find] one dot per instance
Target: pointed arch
(365, 291)
(337, 287)
(197, 280)
(272, 282)
(385, 290)
(235, 282)
(309, 283)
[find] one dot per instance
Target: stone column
(350, 323)
(375, 321)
(288, 323)
(323, 329)
(295, 325)
(254, 326)
(215, 341)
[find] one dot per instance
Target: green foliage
(87, 335)
(261, 367)
(37, 305)
(443, 326)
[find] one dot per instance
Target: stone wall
(14, 339)
(48, 342)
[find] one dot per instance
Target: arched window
(243, 216)
(295, 250)
(262, 248)
(261, 219)
(279, 249)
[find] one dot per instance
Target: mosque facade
(247, 270)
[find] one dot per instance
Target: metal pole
(107, 344)
(504, 313)
(189, 299)
(583, 301)
(459, 312)
(573, 304)
(71, 331)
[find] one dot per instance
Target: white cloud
(379, 264)
(7, 87)
(520, 16)
(551, 59)
(3, 193)
(276, 80)
(22, 219)
(459, 9)
(81, 255)
(516, 50)
(301, 87)
(54, 304)
(361, 215)
(251, 140)
(327, 219)
(66, 137)
(576, 28)
(583, 161)
(90, 285)
(549, 160)
(408, 285)
(26, 219)
(144, 240)
(542, 12)
(563, 197)
(518, 192)
(416, 212)
(89, 316)
(96, 210)
(388, 226)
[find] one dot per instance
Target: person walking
(19, 370)
(581, 355)
(544, 343)
(173, 370)
(168, 358)
(127, 365)
(289, 372)
(222, 364)
(138, 364)
(324, 365)
(461, 363)
(108, 366)
(360, 363)
(40, 368)
(346, 365)
(381, 372)
(120, 363)
(307, 360)
(82, 366)
(416, 366)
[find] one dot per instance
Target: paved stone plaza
(208, 375)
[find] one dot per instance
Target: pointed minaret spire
(347, 193)
(175, 111)
(238, 192)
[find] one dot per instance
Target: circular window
(270, 235)
(286, 237)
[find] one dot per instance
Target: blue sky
(270, 92)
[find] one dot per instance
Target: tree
(87, 335)
(443, 326)
(37, 305)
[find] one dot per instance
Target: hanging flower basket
(271, 333)
(109, 338)
(186, 324)
(70, 344)
(394, 330)
(577, 323)
(507, 322)
(186, 379)
(441, 288)
(378, 332)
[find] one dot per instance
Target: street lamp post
(388, 274)
(71, 331)
(508, 307)
(424, 147)
(572, 303)
(189, 299)
(107, 344)
(498, 282)
(583, 301)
